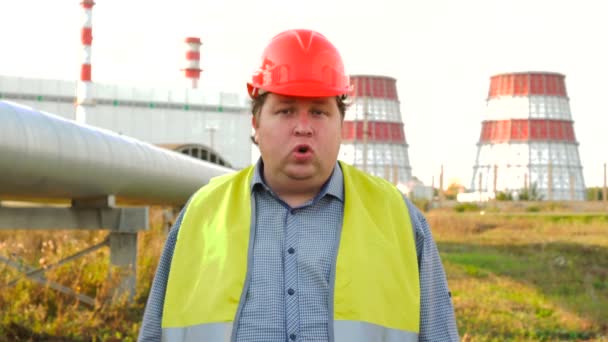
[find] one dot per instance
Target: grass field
(526, 277)
(539, 276)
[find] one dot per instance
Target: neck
(295, 201)
(293, 193)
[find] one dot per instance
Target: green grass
(526, 277)
(514, 276)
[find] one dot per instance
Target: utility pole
(572, 186)
(550, 182)
(441, 194)
(433, 187)
(494, 187)
(495, 178)
(479, 185)
(604, 190)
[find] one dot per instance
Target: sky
(441, 52)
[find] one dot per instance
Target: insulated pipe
(45, 156)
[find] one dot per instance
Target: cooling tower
(527, 139)
(372, 134)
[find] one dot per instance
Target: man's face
(298, 138)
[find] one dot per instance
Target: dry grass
(513, 276)
(526, 277)
(34, 312)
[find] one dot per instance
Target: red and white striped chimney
(84, 96)
(193, 57)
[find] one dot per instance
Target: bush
(462, 207)
(595, 194)
(503, 196)
(533, 209)
(422, 204)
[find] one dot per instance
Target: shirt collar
(334, 186)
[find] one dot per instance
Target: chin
(301, 172)
(300, 175)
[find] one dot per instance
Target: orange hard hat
(300, 63)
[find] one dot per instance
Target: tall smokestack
(193, 56)
(83, 94)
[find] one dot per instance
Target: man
(299, 247)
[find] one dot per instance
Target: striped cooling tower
(372, 135)
(527, 139)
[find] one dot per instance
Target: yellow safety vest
(377, 290)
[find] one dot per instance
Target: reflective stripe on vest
(344, 331)
(349, 331)
(376, 288)
(213, 332)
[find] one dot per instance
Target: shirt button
(291, 250)
(292, 337)
(291, 291)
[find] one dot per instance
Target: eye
(317, 112)
(284, 111)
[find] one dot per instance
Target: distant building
(216, 126)
(415, 189)
(210, 126)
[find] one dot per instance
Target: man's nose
(303, 124)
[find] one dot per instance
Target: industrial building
(217, 126)
(211, 126)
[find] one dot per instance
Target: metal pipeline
(45, 156)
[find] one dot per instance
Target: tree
(595, 194)
(453, 190)
(530, 194)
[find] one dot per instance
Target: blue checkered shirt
(288, 297)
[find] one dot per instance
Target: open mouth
(302, 152)
(302, 148)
